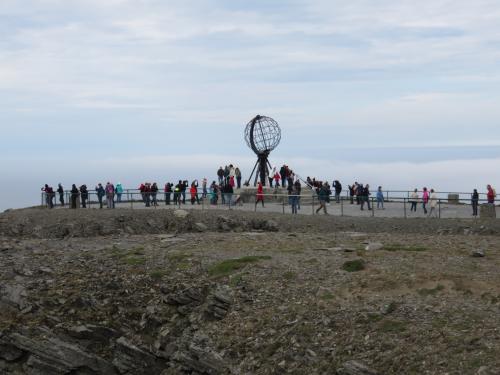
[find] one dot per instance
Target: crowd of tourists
(225, 190)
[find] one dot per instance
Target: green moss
(228, 266)
(354, 265)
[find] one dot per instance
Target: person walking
(260, 194)
(475, 202)
(433, 203)
(380, 198)
(365, 196)
(414, 200)
(60, 190)
(425, 199)
(74, 196)
(491, 194)
(323, 194)
(100, 193)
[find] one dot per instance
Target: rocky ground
(177, 292)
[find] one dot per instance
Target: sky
(396, 93)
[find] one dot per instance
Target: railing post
(404, 204)
(439, 207)
(387, 193)
(341, 206)
(283, 201)
(131, 199)
(373, 208)
(312, 204)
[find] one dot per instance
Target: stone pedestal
(453, 198)
(487, 211)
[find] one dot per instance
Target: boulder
(374, 246)
(48, 354)
(130, 359)
(181, 214)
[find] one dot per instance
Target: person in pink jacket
(425, 199)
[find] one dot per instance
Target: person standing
(168, 191)
(491, 194)
(49, 192)
(475, 202)
(119, 192)
(74, 196)
(414, 200)
(204, 188)
(110, 195)
(154, 193)
(193, 192)
(380, 198)
(338, 189)
(84, 195)
(60, 190)
(237, 173)
(260, 194)
(351, 193)
(100, 193)
(220, 175)
(298, 189)
(425, 199)
(433, 203)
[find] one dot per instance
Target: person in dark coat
(84, 195)
(60, 191)
(100, 193)
(74, 195)
(475, 202)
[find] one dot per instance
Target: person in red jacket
(260, 194)
(491, 195)
(193, 192)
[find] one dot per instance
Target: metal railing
(277, 202)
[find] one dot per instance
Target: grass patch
(228, 266)
(399, 247)
(134, 260)
(327, 296)
(354, 265)
(157, 274)
(392, 326)
(177, 257)
(289, 275)
(431, 291)
(236, 280)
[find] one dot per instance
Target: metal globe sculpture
(262, 135)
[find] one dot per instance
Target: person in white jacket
(414, 200)
(433, 203)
